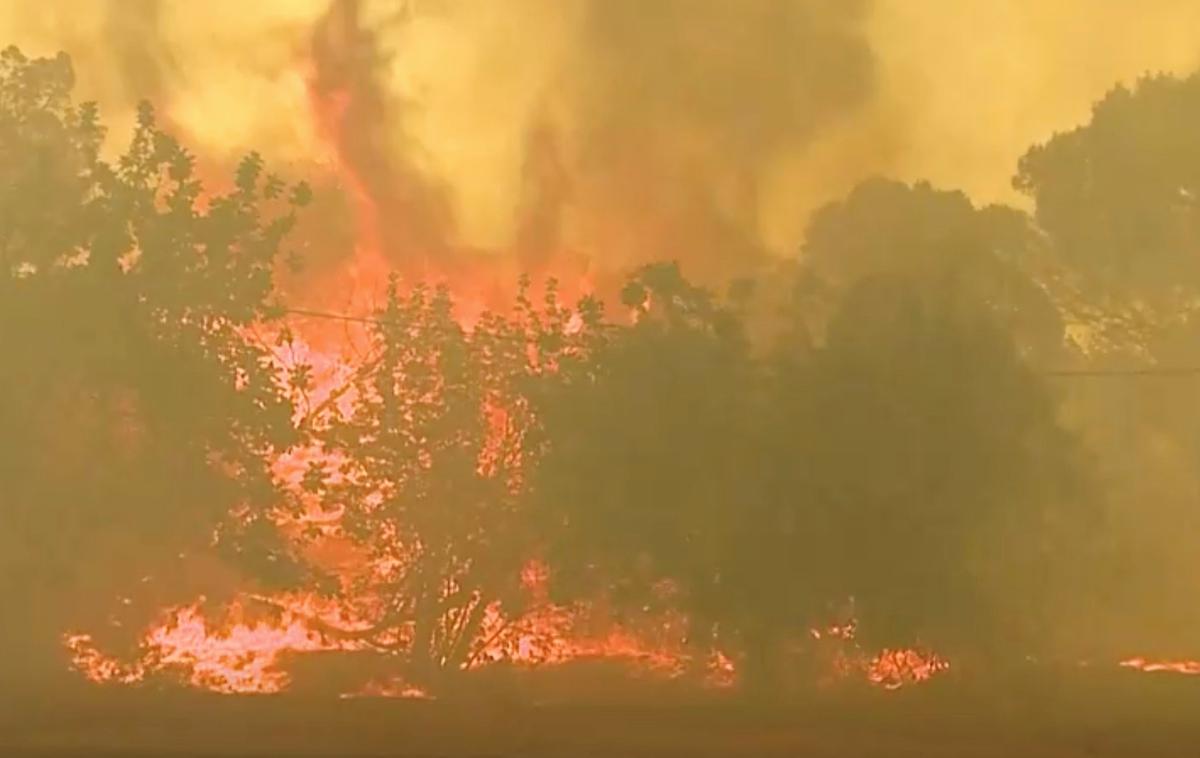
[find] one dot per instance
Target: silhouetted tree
(932, 457)
(993, 254)
(134, 413)
(1119, 199)
(912, 461)
(651, 486)
(940, 470)
(1120, 196)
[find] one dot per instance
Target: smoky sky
(679, 108)
(648, 137)
(533, 132)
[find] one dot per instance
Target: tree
(1120, 195)
(940, 472)
(1119, 200)
(911, 462)
(432, 476)
(649, 491)
(134, 413)
(885, 227)
(935, 466)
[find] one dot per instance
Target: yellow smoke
(624, 129)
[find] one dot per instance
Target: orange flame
(1191, 668)
(892, 669)
(229, 654)
(241, 658)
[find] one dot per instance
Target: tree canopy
(135, 412)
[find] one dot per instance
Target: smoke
(401, 211)
(980, 82)
(555, 135)
(475, 140)
(143, 63)
(678, 110)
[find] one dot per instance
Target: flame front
(235, 657)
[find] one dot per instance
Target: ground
(1090, 716)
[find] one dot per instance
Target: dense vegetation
(896, 453)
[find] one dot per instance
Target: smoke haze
(612, 133)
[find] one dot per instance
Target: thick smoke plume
(580, 137)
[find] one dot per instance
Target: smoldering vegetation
(954, 434)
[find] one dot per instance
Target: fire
(235, 655)
(238, 656)
(234, 650)
(97, 667)
(552, 635)
(1191, 668)
(242, 657)
(892, 669)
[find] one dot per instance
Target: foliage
(434, 466)
(993, 255)
(134, 413)
(933, 455)
(1118, 199)
(1120, 196)
(900, 454)
(646, 451)
(912, 463)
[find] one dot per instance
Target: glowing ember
(393, 688)
(892, 669)
(97, 667)
(1191, 668)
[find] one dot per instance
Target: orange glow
(892, 669)
(1191, 668)
(98, 667)
(231, 650)
(239, 656)
(235, 657)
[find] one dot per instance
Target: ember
(1191, 668)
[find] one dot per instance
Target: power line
(1081, 373)
(333, 316)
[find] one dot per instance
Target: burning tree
(431, 473)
